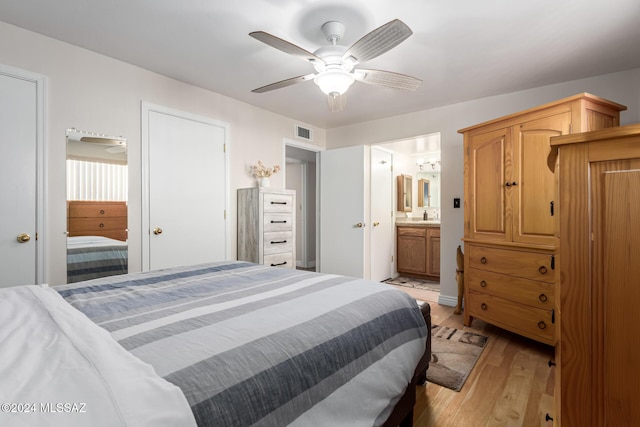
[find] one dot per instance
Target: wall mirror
(97, 187)
(428, 189)
(405, 183)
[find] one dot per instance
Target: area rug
(415, 283)
(454, 353)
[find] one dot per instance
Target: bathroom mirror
(428, 189)
(97, 187)
(405, 191)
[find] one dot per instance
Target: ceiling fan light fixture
(334, 81)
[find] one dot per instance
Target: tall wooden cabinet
(510, 262)
(598, 356)
(266, 226)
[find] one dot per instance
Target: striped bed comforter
(91, 257)
(256, 345)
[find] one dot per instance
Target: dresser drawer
(277, 222)
(276, 242)
(278, 202)
(521, 319)
(280, 260)
(97, 224)
(528, 265)
(412, 231)
(96, 209)
(525, 291)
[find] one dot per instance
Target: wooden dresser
(418, 250)
(266, 226)
(96, 218)
(598, 353)
(510, 201)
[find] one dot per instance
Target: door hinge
(225, 214)
(224, 148)
(551, 207)
(391, 258)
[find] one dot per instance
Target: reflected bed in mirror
(97, 184)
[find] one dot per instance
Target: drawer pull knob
(273, 242)
(278, 203)
(542, 325)
(543, 298)
(101, 211)
(483, 260)
(483, 284)
(542, 269)
(547, 417)
(551, 363)
(278, 264)
(101, 225)
(278, 222)
(483, 306)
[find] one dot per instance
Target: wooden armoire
(598, 351)
(510, 200)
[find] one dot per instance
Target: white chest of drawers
(266, 226)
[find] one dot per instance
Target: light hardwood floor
(511, 384)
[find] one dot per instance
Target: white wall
(96, 93)
(622, 87)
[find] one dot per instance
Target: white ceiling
(461, 49)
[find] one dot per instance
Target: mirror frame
(404, 193)
(424, 191)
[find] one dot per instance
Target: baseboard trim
(447, 300)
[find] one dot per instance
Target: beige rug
(454, 353)
(409, 282)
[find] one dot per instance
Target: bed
(248, 344)
(91, 257)
(97, 239)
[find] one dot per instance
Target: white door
(19, 192)
(381, 215)
(187, 190)
(343, 219)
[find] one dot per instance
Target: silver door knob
(157, 231)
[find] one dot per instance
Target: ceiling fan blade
(284, 83)
(285, 46)
(378, 41)
(387, 79)
(337, 102)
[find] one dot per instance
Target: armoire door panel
(535, 183)
(622, 343)
(489, 167)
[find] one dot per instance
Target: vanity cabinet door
(412, 250)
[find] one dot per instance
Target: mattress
(254, 345)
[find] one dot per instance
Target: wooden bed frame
(402, 414)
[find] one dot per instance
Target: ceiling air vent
(304, 133)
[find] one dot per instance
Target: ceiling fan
(334, 64)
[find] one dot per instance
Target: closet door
(343, 217)
(187, 190)
(19, 144)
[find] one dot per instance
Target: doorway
(301, 175)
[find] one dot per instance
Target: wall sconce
(433, 163)
(420, 163)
